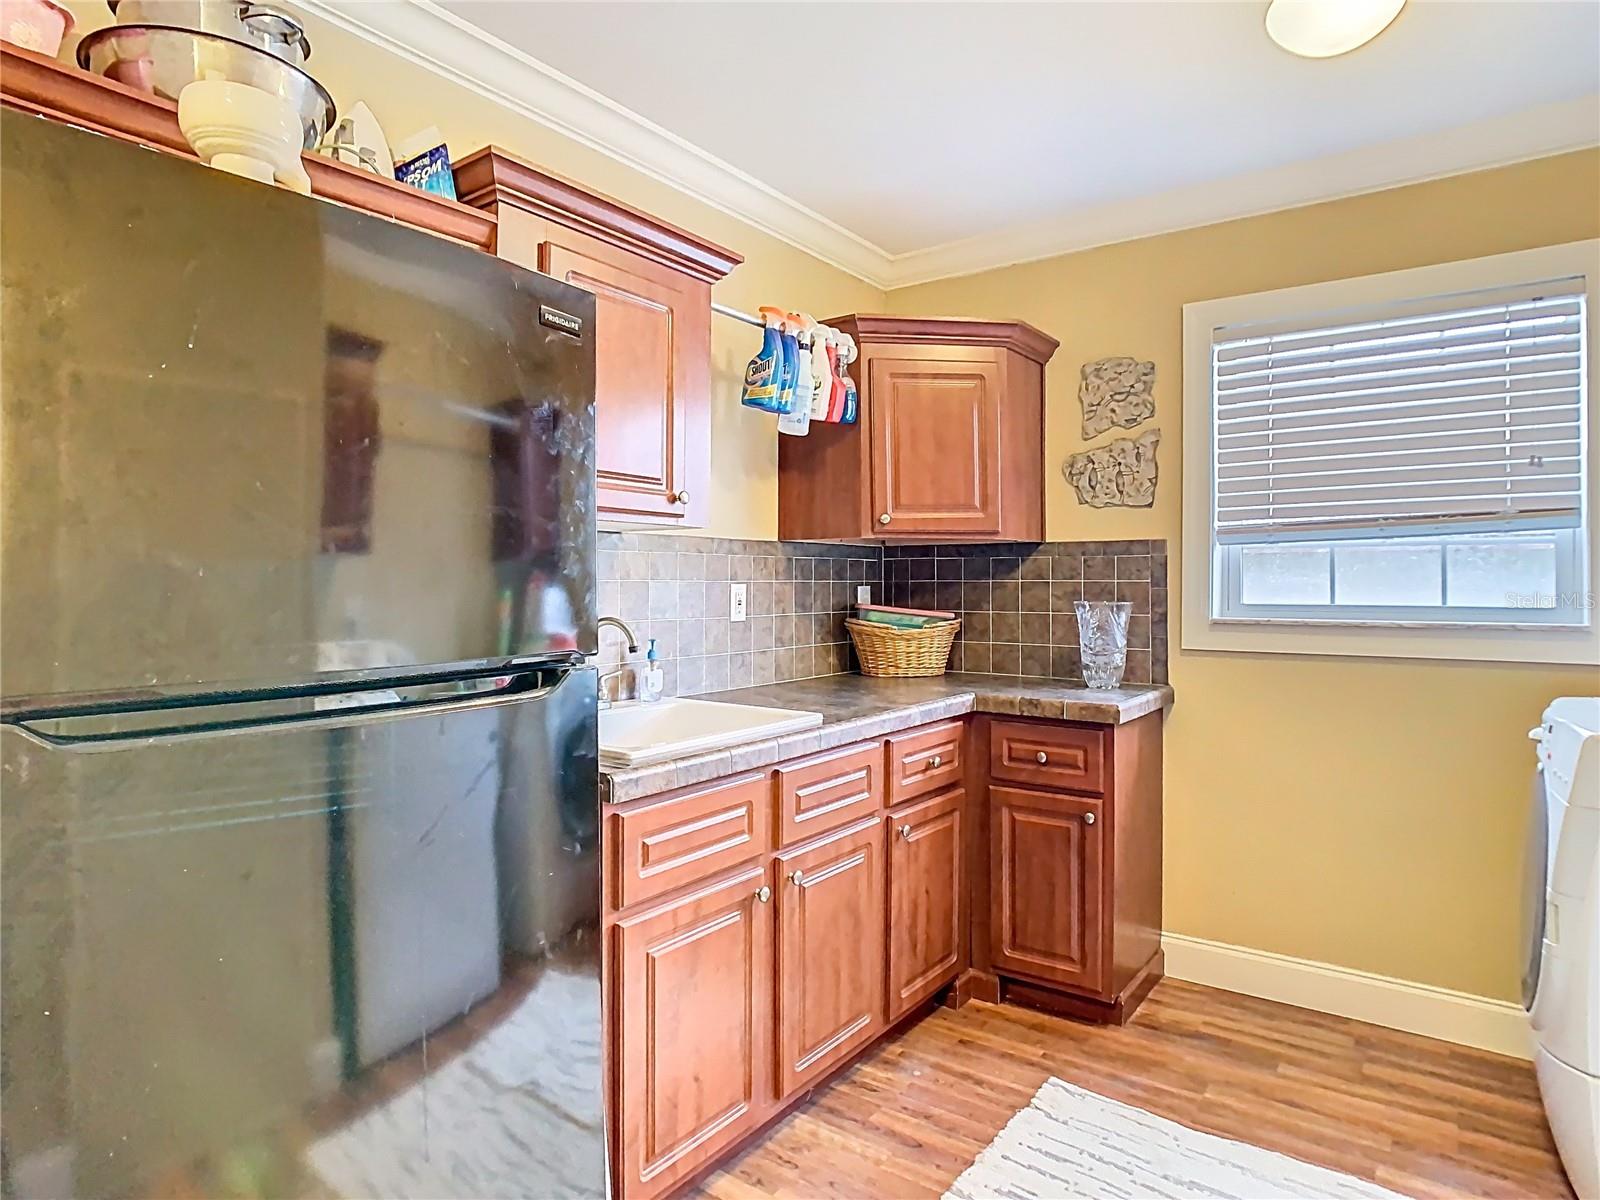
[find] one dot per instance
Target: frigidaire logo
(556, 319)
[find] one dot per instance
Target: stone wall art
(1120, 474)
(1116, 393)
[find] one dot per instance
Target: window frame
(1208, 623)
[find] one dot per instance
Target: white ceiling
(1012, 130)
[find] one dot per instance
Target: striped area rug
(1073, 1143)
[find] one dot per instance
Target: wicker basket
(886, 650)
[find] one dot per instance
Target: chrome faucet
(619, 671)
(620, 625)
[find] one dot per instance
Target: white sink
(636, 734)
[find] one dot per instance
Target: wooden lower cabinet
(745, 965)
(1046, 875)
(926, 916)
(830, 951)
(694, 1019)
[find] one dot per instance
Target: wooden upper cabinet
(950, 441)
(652, 283)
(934, 425)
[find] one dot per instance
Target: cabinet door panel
(1046, 872)
(652, 368)
(830, 952)
(925, 856)
(935, 428)
(694, 1010)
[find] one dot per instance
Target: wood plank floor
(1423, 1117)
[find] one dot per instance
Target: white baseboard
(1436, 1012)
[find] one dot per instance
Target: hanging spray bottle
(763, 378)
(797, 421)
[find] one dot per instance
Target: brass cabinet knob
(1088, 818)
(764, 894)
(1042, 756)
(905, 833)
(935, 761)
(883, 518)
(797, 877)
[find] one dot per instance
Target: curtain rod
(737, 315)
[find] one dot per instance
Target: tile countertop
(855, 707)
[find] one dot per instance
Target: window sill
(1424, 627)
(1568, 644)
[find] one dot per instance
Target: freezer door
(342, 946)
(249, 439)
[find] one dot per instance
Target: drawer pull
(797, 877)
(905, 833)
(1042, 757)
(1088, 818)
(934, 761)
(764, 894)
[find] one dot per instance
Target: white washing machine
(1561, 985)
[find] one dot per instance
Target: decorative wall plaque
(1116, 393)
(1120, 474)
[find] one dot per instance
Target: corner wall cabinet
(949, 444)
(652, 284)
(763, 930)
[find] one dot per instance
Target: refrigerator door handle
(338, 718)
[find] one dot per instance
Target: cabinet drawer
(1069, 758)
(925, 760)
(829, 790)
(663, 846)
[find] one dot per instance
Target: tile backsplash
(1015, 602)
(676, 589)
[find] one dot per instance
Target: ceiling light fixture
(1324, 28)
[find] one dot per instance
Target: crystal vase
(1103, 641)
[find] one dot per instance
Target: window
(1400, 464)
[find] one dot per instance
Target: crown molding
(1535, 132)
(437, 40)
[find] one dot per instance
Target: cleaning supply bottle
(791, 361)
(835, 383)
(852, 398)
(764, 376)
(797, 421)
(821, 371)
(652, 681)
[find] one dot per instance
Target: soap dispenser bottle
(653, 681)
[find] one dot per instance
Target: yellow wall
(1363, 812)
(406, 98)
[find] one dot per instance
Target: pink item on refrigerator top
(37, 25)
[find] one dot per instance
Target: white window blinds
(1464, 411)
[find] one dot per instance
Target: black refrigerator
(299, 875)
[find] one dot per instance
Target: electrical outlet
(736, 602)
(863, 593)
